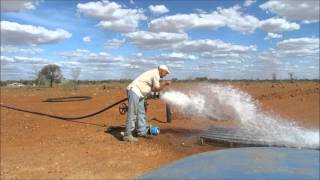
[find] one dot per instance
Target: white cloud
(212, 46)
(273, 36)
(178, 23)
(86, 56)
(175, 66)
(114, 17)
(24, 60)
(302, 49)
(304, 46)
(115, 43)
(14, 49)
(124, 25)
(158, 9)
(76, 53)
(30, 60)
(307, 10)
(276, 25)
(230, 17)
(21, 67)
(222, 55)
(138, 54)
(239, 22)
(249, 2)
(86, 39)
(6, 59)
(142, 62)
(268, 56)
(21, 34)
(150, 40)
(101, 65)
(175, 56)
(18, 5)
(312, 67)
(200, 11)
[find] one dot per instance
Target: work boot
(147, 136)
(128, 137)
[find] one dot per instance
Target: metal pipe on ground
(169, 113)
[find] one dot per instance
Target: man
(146, 83)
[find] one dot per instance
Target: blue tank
(154, 131)
(243, 163)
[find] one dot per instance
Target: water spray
(217, 102)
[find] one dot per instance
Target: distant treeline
(198, 79)
(83, 82)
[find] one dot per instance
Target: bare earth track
(38, 147)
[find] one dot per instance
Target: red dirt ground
(37, 147)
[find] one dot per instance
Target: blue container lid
(154, 130)
(244, 163)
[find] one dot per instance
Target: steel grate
(237, 137)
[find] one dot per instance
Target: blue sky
(230, 39)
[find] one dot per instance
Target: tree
(291, 77)
(274, 77)
(40, 79)
(52, 73)
(36, 74)
(174, 79)
(75, 73)
(201, 78)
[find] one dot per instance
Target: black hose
(66, 118)
(68, 99)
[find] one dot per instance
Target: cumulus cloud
(25, 60)
(294, 10)
(276, 25)
(239, 22)
(212, 46)
(115, 43)
(86, 39)
(14, 49)
(21, 34)
(101, 65)
(22, 61)
(18, 5)
(292, 48)
(175, 66)
(113, 16)
(304, 46)
(21, 67)
(158, 9)
(151, 40)
(231, 17)
(273, 36)
(29, 60)
(177, 23)
(249, 2)
(175, 56)
(86, 56)
(226, 55)
(6, 60)
(180, 43)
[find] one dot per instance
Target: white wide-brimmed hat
(164, 67)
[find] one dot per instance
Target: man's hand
(165, 83)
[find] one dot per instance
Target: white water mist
(219, 102)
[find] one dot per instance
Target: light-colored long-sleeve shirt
(143, 84)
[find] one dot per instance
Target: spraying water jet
(226, 102)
